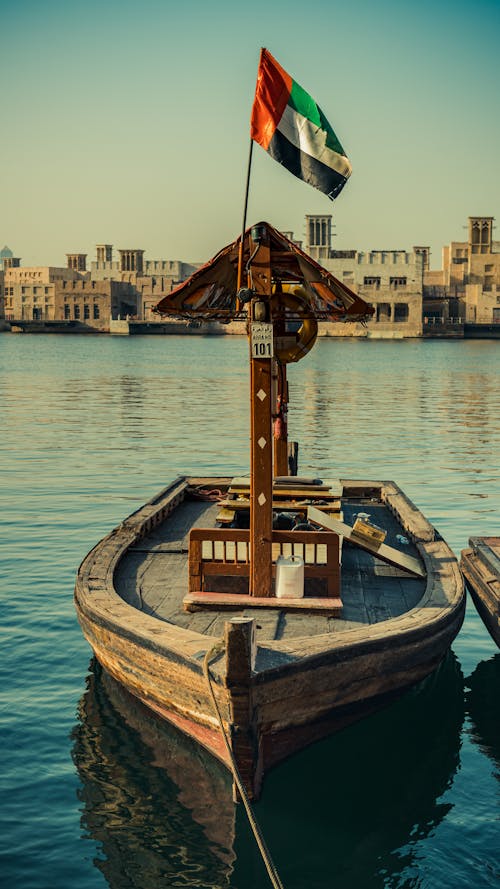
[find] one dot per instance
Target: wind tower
(77, 261)
(480, 234)
(132, 261)
(319, 236)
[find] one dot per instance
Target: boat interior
(191, 569)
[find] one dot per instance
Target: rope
(266, 857)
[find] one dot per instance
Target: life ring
(299, 343)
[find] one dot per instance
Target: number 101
(262, 350)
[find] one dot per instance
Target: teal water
(94, 795)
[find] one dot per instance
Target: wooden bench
(226, 552)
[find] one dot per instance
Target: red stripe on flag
(272, 92)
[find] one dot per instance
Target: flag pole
(240, 253)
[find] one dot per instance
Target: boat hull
(297, 691)
(480, 566)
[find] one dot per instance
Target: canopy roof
(210, 293)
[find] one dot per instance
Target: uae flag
(289, 125)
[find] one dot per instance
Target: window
(96, 312)
(77, 312)
(401, 312)
(66, 312)
(86, 311)
(397, 282)
(383, 312)
(371, 281)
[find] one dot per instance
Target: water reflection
(159, 808)
(482, 700)
(357, 805)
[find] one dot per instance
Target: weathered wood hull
(301, 689)
(480, 566)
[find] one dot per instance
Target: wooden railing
(226, 551)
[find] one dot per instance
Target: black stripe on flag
(306, 167)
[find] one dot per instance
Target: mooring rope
(256, 830)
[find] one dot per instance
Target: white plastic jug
(289, 577)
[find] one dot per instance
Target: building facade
(466, 290)
(151, 279)
(409, 299)
(390, 280)
(48, 293)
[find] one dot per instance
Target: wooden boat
(259, 613)
(480, 565)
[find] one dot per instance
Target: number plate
(262, 340)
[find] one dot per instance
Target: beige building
(49, 293)
(151, 279)
(390, 280)
(2, 299)
(467, 287)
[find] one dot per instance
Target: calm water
(93, 794)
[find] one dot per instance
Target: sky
(126, 122)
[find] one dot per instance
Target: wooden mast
(281, 422)
(261, 410)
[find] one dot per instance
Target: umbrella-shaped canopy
(211, 292)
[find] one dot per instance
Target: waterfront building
(151, 279)
(466, 290)
(409, 298)
(49, 293)
(390, 280)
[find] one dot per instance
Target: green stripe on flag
(301, 101)
(306, 106)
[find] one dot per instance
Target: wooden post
(281, 425)
(261, 470)
(239, 636)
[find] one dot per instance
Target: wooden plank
(225, 516)
(207, 599)
(322, 491)
(383, 552)
(244, 503)
(243, 482)
(488, 551)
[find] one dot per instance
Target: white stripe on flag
(310, 139)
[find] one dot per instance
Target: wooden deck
(153, 577)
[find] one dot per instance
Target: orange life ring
(301, 342)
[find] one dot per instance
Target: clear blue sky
(127, 122)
